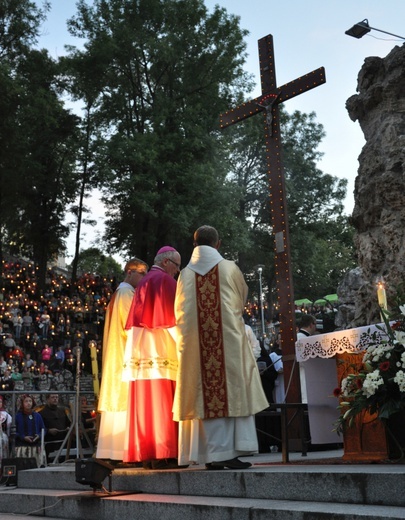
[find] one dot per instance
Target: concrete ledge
(75, 506)
(370, 484)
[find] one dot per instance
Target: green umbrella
(304, 301)
(321, 301)
(331, 297)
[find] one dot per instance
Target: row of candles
(22, 280)
(53, 331)
(65, 305)
(70, 360)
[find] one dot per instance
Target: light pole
(360, 29)
(259, 269)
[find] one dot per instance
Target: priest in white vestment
(113, 402)
(307, 328)
(218, 389)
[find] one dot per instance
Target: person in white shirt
(307, 327)
(3, 365)
(276, 357)
(27, 323)
(45, 321)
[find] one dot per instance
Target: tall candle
(381, 295)
(94, 367)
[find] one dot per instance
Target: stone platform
(318, 486)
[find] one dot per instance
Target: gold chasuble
(114, 391)
(217, 375)
(113, 401)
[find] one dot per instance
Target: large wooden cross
(268, 103)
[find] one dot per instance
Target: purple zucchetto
(164, 249)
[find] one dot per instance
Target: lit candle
(381, 295)
(94, 368)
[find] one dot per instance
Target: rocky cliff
(379, 211)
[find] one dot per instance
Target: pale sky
(307, 35)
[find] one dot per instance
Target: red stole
(212, 355)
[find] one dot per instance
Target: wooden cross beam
(268, 103)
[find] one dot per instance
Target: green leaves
(37, 154)
(152, 78)
(161, 72)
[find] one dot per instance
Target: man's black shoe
(211, 467)
(231, 464)
(166, 464)
(129, 465)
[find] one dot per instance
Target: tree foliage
(165, 72)
(37, 141)
(79, 79)
(93, 261)
(19, 29)
(152, 78)
(320, 236)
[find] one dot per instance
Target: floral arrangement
(379, 386)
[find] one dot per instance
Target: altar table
(326, 359)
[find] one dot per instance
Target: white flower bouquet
(379, 386)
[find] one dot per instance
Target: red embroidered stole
(212, 356)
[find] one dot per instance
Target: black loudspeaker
(11, 467)
(92, 472)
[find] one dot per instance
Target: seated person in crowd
(5, 427)
(6, 381)
(3, 365)
(88, 418)
(29, 426)
(57, 422)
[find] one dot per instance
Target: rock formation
(379, 211)
(348, 290)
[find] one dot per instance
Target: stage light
(92, 472)
(360, 29)
(11, 467)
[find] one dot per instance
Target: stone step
(356, 484)
(73, 505)
(305, 489)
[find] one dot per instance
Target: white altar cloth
(316, 353)
(338, 342)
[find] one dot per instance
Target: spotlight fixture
(360, 29)
(11, 467)
(92, 472)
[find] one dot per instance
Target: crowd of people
(41, 335)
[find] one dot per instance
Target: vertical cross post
(268, 103)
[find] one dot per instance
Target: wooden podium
(366, 439)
